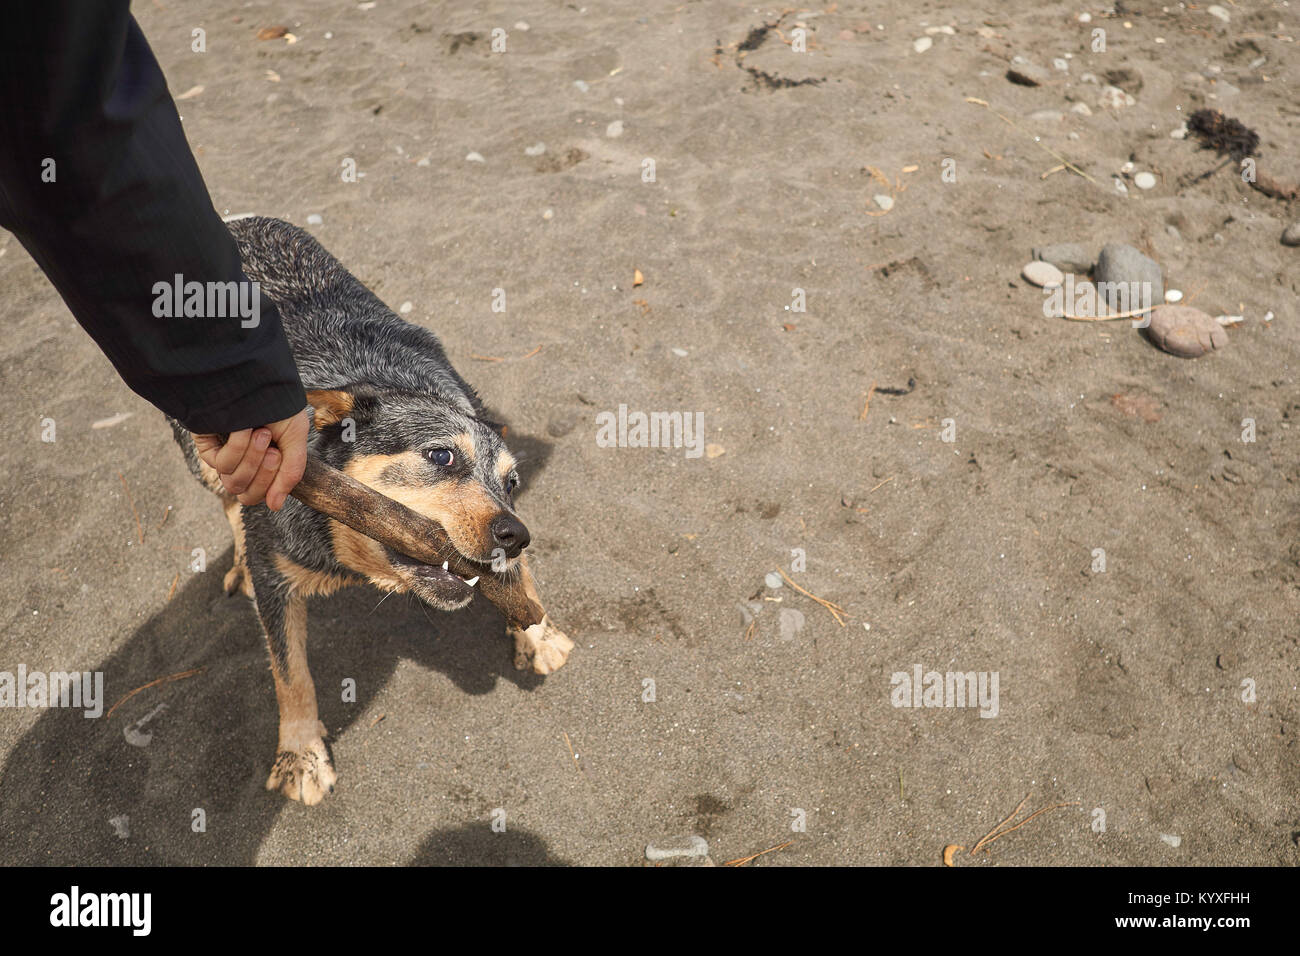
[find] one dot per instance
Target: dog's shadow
(175, 776)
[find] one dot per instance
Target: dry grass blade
(1053, 153)
(154, 683)
(835, 609)
(998, 830)
(746, 859)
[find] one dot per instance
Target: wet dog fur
(389, 410)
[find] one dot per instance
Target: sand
(1121, 690)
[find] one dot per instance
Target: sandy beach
(829, 219)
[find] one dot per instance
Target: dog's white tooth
(472, 581)
(444, 565)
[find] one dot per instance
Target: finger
(236, 480)
(225, 458)
(256, 491)
(293, 446)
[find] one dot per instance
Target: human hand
(251, 468)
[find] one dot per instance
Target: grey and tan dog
(389, 410)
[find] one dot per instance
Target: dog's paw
(305, 774)
(543, 646)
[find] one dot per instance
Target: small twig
(376, 721)
(154, 683)
(139, 531)
(866, 404)
(172, 590)
(883, 483)
(486, 358)
(835, 609)
(576, 762)
(746, 859)
(1132, 313)
(532, 353)
(167, 513)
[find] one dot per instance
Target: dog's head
(435, 457)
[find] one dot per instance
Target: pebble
(521, 25)
(614, 129)
(883, 201)
(561, 423)
(678, 848)
(1083, 109)
(1113, 98)
(405, 308)
(1047, 116)
(1218, 12)
(1029, 74)
(1066, 256)
(1085, 18)
(1291, 234)
(314, 219)
(1184, 331)
(1144, 180)
(548, 215)
(474, 158)
(921, 44)
(1173, 840)
(1180, 133)
(1062, 65)
(1042, 274)
(946, 30)
(582, 85)
(1173, 295)
(535, 150)
(773, 580)
(1122, 263)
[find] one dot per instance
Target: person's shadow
(176, 775)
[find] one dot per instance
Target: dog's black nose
(509, 533)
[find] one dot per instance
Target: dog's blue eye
(442, 457)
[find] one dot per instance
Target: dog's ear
(330, 405)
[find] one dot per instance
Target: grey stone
(1120, 263)
(1291, 234)
(1066, 256)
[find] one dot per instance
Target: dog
(388, 409)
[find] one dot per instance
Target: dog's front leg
(543, 646)
(303, 770)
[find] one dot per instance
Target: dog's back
(339, 331)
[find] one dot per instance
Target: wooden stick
(343, 498)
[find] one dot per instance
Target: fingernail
(261, 440)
